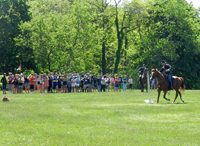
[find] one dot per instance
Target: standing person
(27, 83)
(92, 83)
(59, 84)
(78, 81)
(168, 70)
(15, 83)
(22, 78)
(85, 85)
(50, 84)
(32, 83)
(46, 83)
(153, 84)
(54, 83)
(36, 82)
(69, 78)
(73, 84)
(116, 83)
(4, 82)
(124, 83)
(120, 82)
(95, 83)
(112, 81)
(20, 85)
(141, 71)
(107, 82)
(99, 84)
(90, 80)
(64, 78)
(130, 81)
(10, 83)
(41, 82)
(103, 83)
(82, 80)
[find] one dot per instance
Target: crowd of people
(64, 83)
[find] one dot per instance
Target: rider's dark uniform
(168, 70)
(141, 70)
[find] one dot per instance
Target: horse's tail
(182, 84)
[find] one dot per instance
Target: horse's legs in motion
(175, 96)
(165, 95)
(142, 87)
(158, 96)
(181, 96)
(146, 87)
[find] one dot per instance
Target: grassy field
(117, 119)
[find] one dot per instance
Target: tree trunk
(103, 57)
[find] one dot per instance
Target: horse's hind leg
(165, 95)
(175, 96)
(181, 96)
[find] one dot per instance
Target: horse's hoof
(156, 103)
(183, 101)
(172, 102)
(168, 99)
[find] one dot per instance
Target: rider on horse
(168, 70)
(141, 70)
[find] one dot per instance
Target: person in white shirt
(130, 81)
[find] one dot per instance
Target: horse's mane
(156, 70)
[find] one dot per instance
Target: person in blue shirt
(78, 81)
(124, 83)
(141, 71)
(55, 81)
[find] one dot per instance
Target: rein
(161, 83)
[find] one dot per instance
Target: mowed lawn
(114, 118)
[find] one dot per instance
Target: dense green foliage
(76, 35)
(113, 119)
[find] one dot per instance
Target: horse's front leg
(146, 87)
(165, 95)
(158, 96)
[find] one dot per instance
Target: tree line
(97, 35)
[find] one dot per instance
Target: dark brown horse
(163, 84)
(144, 80)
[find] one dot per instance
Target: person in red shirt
(116, 83)
(32, 82)
(10, 83)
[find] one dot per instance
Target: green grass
(116, 119)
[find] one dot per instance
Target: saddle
(166, 78)
(173, 79)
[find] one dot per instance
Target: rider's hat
(163, 61)
(143, 64)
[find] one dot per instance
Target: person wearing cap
(10, 83)
(141, 70)
(4, 82)
(168, 70)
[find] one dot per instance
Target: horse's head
(154, 74)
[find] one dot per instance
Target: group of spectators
(64, 83)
